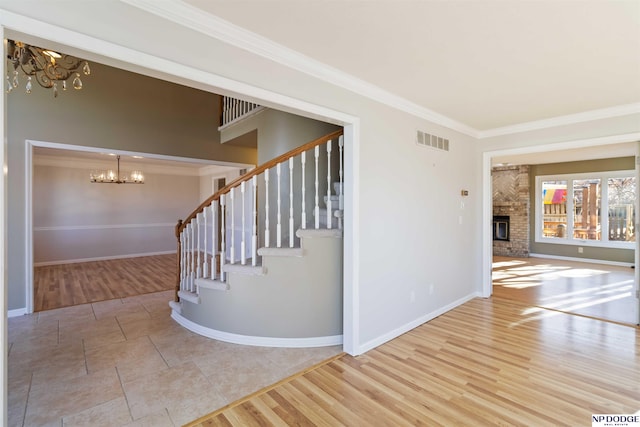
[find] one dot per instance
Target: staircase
(260, 261)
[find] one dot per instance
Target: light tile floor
(125, 362)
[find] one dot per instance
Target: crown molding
(191, 17)
(570, 119)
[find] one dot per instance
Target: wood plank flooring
(586, 289)
(488, 362)
(63, 285)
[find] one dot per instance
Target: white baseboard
(587, 260)
(17, 312)
(256, 341)
(414, 324)
(104, 258)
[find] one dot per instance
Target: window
(571, 207)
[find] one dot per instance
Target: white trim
(253, 340)
(415, 323)
(213, 26)
(249, 270)
(82, 163)
(215, 285)
(102, 258)
(17, 312)
(585, 260)
(102, 226)
(4, 284)
(319, 233)
(586, 116)
(191, 297)
(28, 245)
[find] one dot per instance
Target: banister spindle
(329, 213)
(316, 209)
(232, 214)
(223, 243)
(266, 208)
(205, 264)
(341, 185)
(192, 280)
(214, 246)
(243, 258)
(198, 247)
(254, 233)
(278, 217)
(291, 235)
(303, 219)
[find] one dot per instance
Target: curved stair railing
(227, 228)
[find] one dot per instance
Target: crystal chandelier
(114, 177)
(49, 68)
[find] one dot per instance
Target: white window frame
(604, 209)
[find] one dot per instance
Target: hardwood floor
(488, 362)
(586, 289)
(64, 285)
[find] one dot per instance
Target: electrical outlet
(580, 249)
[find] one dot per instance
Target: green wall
(590, 252)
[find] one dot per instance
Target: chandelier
(49, 68)
(114, 177)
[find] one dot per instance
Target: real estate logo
(615, 420)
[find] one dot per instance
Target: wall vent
(433, 141)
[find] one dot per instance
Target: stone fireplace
(510, 210)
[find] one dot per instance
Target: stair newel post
(316, 209)
(303, 219)
(198, 246)
(243, 258)
(341, 185)
(254, 234)
(205, 263)
(278, 216)
(223, 243)
(178, 260)
(232, 255)
(192, 281)
(291, 235)
(329, 222)
(266, 208)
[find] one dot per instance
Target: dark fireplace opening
(501, 228)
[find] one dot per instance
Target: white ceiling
(486, 64)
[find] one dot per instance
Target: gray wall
(74, 219)
(116, 110)
(590, 252)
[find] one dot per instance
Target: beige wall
(115, 110)
(74, 219)
(590, 252)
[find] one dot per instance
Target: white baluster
(183, 262)
(214, 246)
(243, 258)
(329, 219)
(278, 217)
(223, 243)
(291, 235)
(233, 226)
(341, 192)
(198, 248)
(316, 209)
(192, 280)
(254, 234)
(266, 208)
(303, 219)
(205, 264)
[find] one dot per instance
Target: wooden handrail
(257, 171)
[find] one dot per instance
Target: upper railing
(232, 109)
(262, 208)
